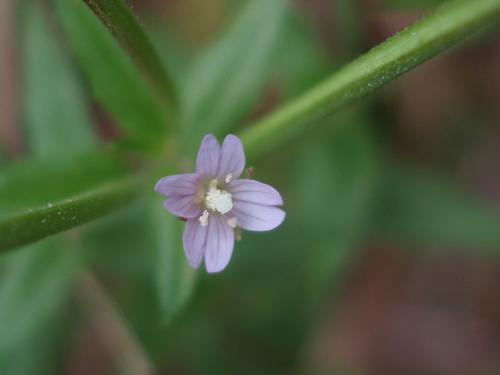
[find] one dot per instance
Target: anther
(233, 222)
(203, 219)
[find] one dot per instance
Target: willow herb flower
(215, 202)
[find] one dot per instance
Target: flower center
(218, 200)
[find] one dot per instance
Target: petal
(207, 161)
(183, 206)
(254, 192)
(220, 243)
(179, 184)
(257, 217)
(194, 241)
(232, 158)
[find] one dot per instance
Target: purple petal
(254, 192)
(232, 157)
(183, 206)
(220, 243)
(194, 241)
(257, 217)
(207, 161)
(179, 184)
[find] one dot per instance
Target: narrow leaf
(124, 26)
(227, 79)
(56, 119)
(338, 177)
(300, 60)
(174, 277)
(115, 81)
(34, 290)
(427, 38)
(36, 281)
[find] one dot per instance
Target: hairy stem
(404, 51)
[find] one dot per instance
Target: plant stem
(124, 26)
(34, 224)
(111, 328)
(423, 40)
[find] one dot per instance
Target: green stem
(124, 26)
(34, 224)
(425, 39)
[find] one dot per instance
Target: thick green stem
(34, 224)
(425, 39)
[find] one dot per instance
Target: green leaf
(115, 81)
(420, 209)
(36, 283)
(226, 80)
(112, 247)
(342, 169)
(300, 61)
(124, 26)
(44, 198)
(34, 290)
(56, 119)
(338, 179)
(425, 39)
(174, 277)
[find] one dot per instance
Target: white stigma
(228, 178)
(204, 218)
(218, 200)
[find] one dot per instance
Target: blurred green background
(388, 261)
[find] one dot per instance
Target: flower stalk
(423, 40)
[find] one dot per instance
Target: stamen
(228, 178)
(204, 218)
(237, 234)
(232, 222)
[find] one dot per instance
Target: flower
(215, 202)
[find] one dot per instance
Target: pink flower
(215, 201)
